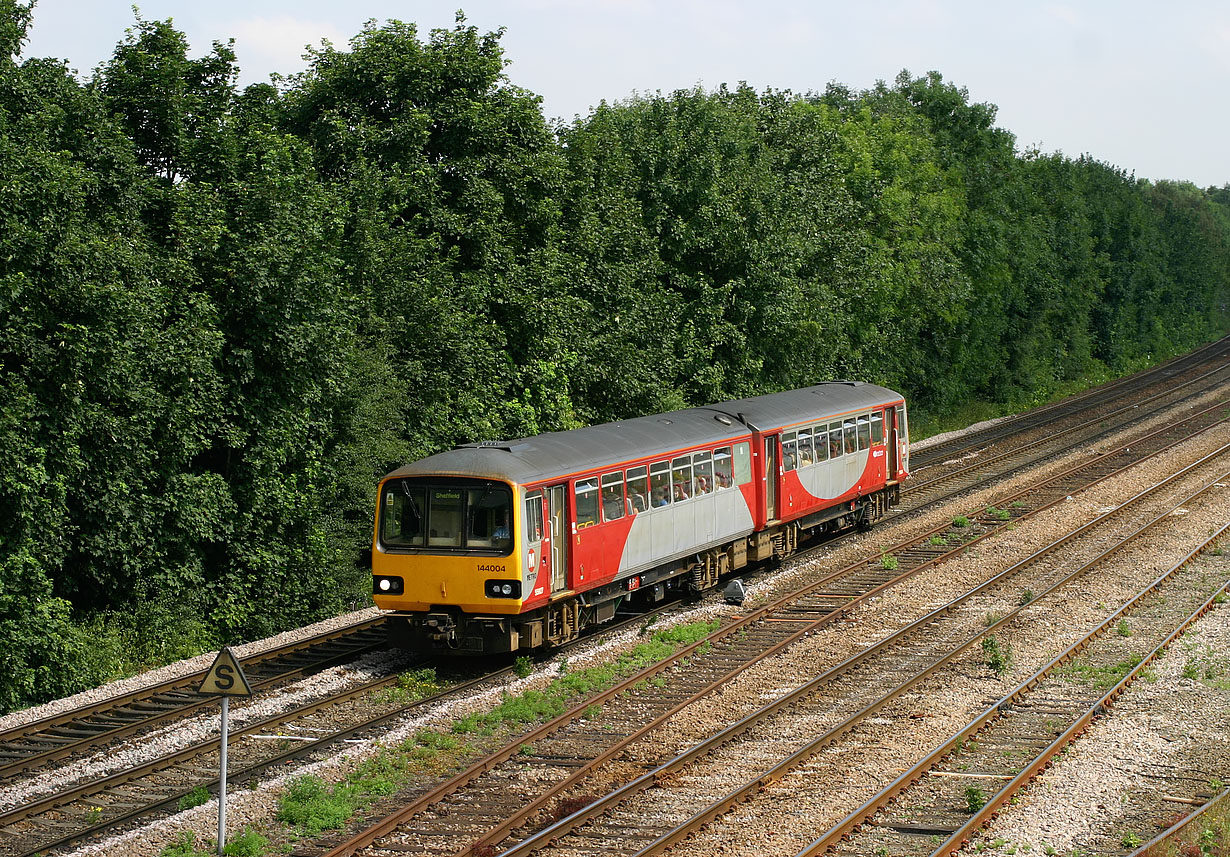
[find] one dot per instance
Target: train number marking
(491, 569)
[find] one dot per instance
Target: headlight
(502, 588)
(387, 585)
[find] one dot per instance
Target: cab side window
(877, 427)
(533, 517)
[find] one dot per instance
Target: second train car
(502, 546)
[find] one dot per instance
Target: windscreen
(446, 516)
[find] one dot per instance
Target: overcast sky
(1141, 85)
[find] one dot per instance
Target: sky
(1144, 86)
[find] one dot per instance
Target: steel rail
(391, 822)
(893, 791)
(238, 775)
(1163, 844)
(667, 770)
(16, 742)
(1026, 420)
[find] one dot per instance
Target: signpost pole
(222, 781)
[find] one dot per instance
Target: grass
(413, 686)
(1101, 676)
(249, 843)
(196, 797)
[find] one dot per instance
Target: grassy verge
(309, 806)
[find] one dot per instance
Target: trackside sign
(225, 677)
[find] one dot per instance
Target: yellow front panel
(433, 580)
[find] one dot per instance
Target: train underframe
(448, 630)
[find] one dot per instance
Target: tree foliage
(224, 314)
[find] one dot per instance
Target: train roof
(597, 447)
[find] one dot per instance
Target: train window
(864, 432)
(790, 453)
(851, 433)
(487, 514)
(681, 478)
(405, 515)
(533, 517)
(743, 463)
(638, 489)
(445, 517)
(835, 440)
(877, 427)
(702, 472)
(660, 484)
(820, 436)
(587, 502)
(613, 496)
(723, 469)
(806, 457)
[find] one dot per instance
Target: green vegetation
(413, 686)
(888, 562)
(975, 799)
(960, 521)
(196, 797)
(997, 655)
(224, 313)
(1098, 676)
(248, 843)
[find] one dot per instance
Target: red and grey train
(501, 546)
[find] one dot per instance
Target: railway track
(1095, 402)
(782, 743)
(75, 734)
(479, 808)
(53, 739)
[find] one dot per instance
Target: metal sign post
(226, 679)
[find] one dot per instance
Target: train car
(502, 546)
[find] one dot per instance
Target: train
(505, 546)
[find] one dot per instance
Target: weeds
(196, 797)
(975, 799)
(997, 656)
(888, 562)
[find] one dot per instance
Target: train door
(555, 530)
(891, 442)
(770, 477)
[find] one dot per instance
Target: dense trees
(223, 314)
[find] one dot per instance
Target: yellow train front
(444, 562)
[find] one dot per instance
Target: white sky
(1141, 85)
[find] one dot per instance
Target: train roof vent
(724, 420)
(492, 444)
(851, 383)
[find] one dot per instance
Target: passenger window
(587, 502)
(533, 517)
(877, 427)
(702, 472)
(743, 464)
(864, 432)
(789, 451)
(851, 431)
(681, 482)
(613, 496)
(805, 454)
(723, 469)
(821, 440)
(835, 440)
(660, 484)
(638, 489)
